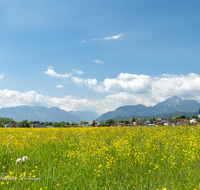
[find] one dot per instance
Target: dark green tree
(177, 117)
(133, 119)
(83, 122)
(193, 117)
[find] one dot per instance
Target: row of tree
(26, 123)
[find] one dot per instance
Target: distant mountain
(38, 113)
(168, 106)
(163, 116)
(85, 115)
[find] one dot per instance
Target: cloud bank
(125, 89)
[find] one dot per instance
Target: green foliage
(193, 117)
(4, 120)
(133, 119)
(83, 122)
(177, 117)
(109, 121)
(26, 124)
(62, 125)
(123, 121)
(103, 124)
(46, 123)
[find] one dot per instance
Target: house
(121, 124)
(181, 121)
(37, 126)
(7, 126)
(167, 124)
(162, 122)
(93, 122)
(13, 125)
(146, 122)
(192, 121)
(98, 125)
(197, 123)
(84, 125)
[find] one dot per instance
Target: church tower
(199, 114)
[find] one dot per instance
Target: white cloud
(50, 71)
(125, 89)
(166, 75)
(124, 82)
(91, 83)
(10, 98)
(83, 41)
(98, 61)
(113, 37)
(142, 89)
(59, 86)
(1, 76)
(110, 37)
(78, 71)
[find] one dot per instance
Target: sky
(98, 55)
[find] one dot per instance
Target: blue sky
(98, 55)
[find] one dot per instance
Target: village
(151, 122)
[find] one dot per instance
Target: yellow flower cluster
(146, 157)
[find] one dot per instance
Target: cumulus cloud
(50, 71)
(91, 83)
(98, 61)
(110, 37)
(10, 98)
(59, 86)
(143, 89)
(125, 89)
(124, 82)
(1, 76)
(78, 71)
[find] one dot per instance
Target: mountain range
(168, 108)
(41, 113)
(170, 105)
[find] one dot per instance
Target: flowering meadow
(145, 158)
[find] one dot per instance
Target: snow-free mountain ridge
(41, 113)
(168, 106)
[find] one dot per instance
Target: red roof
(181, 120)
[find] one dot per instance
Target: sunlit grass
(101, 158)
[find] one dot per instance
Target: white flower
(18, 160)
(25, 158)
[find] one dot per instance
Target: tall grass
(101, 158)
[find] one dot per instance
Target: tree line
(26, 123)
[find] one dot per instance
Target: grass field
(101, 158)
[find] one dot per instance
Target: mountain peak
(170, 105)
(173, 98)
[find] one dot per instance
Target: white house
(192, 121)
